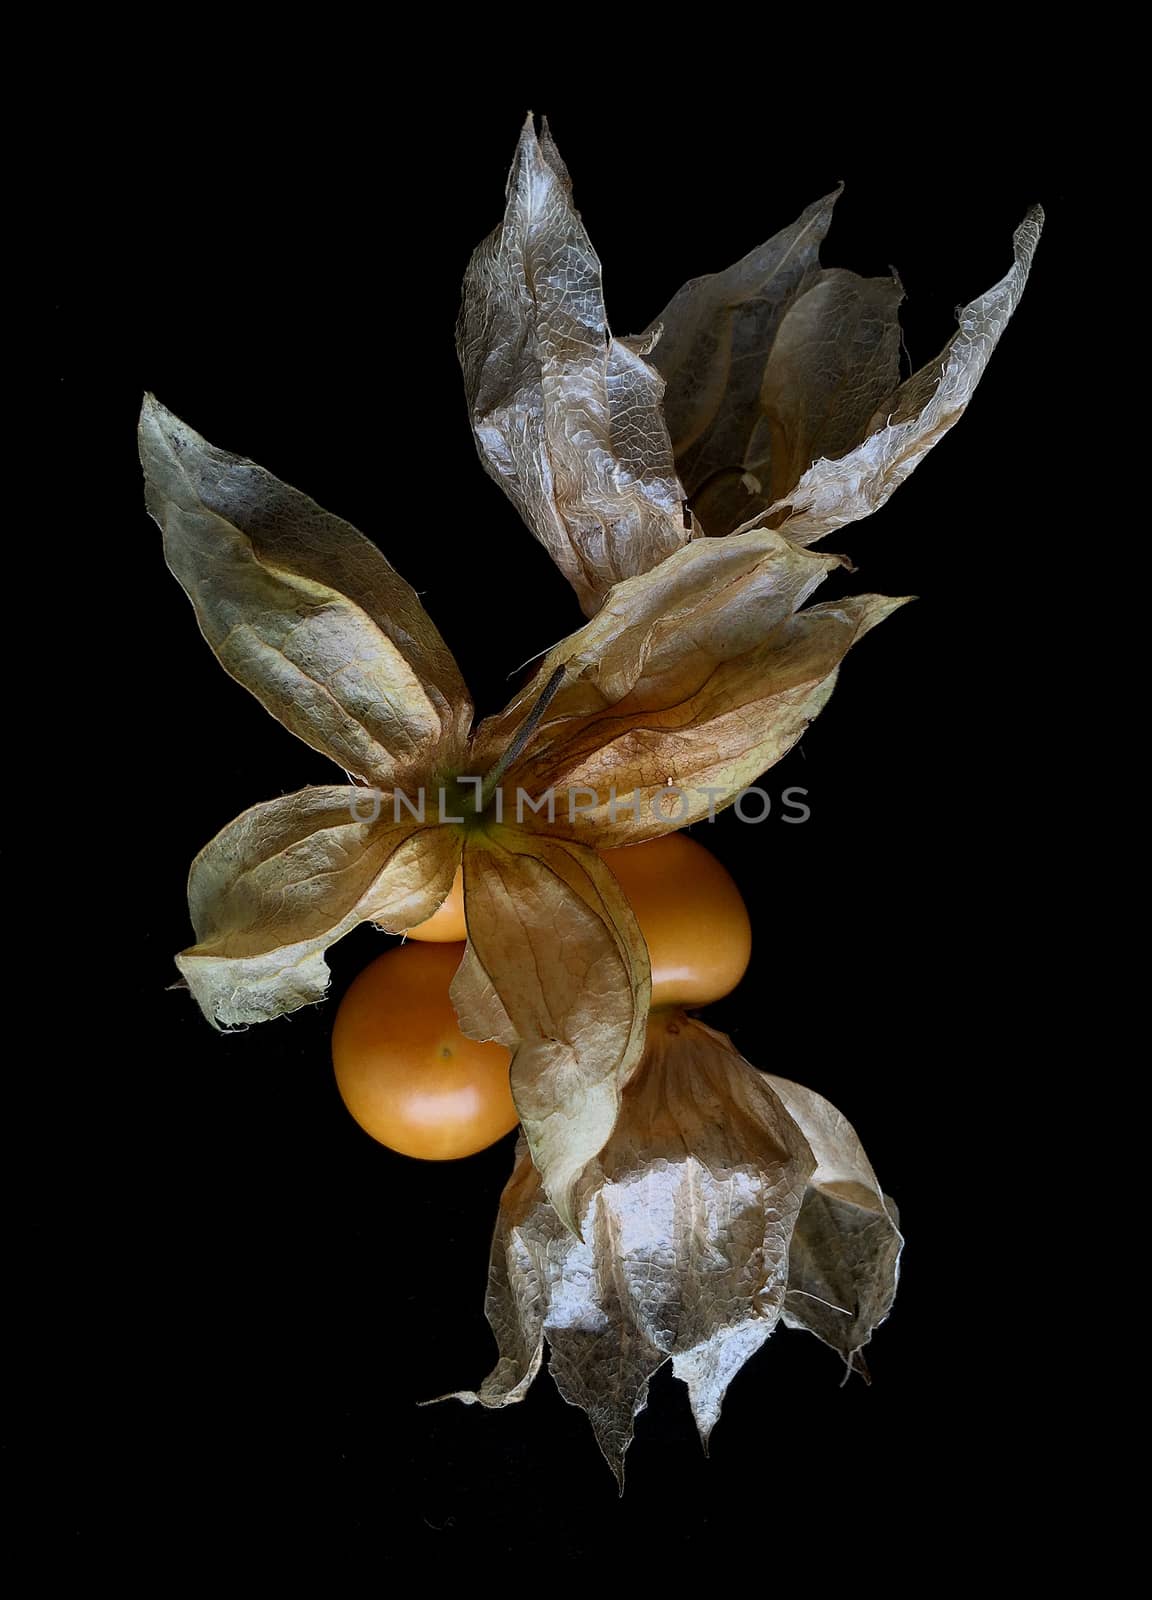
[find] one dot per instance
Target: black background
(271, 1293)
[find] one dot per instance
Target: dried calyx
(766, 395)
(724, 1201)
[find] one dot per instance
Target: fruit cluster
(417, 1084)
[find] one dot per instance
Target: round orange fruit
(405, 1071)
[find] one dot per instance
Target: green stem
(516, 748)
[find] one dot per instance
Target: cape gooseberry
(689, 910)
(405, 1071)
(415, 1082)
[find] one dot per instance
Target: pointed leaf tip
(535, 347)
(302, 609)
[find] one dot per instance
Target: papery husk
(690, 682)
(767, 394)
(783, 393)
(711, 343)
(851, 483)
(685, 1219)
(845, 1259)
(303, 610)
(287, 879)
(552, 932)
(567, 418)
(694, 1239)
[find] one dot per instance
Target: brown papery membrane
(703, 1220)
(766, 394)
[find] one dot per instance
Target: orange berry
(406, 1073)
(691, 915)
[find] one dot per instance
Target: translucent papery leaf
(686, 1220)
(834, 360)
(845, 1259)
(567, 418)
(478, 1007)
(715, 336)
(834, 492)
(287, 879)
(302, 610)
(646, 769)
(691, 682)
(551, 932)
(711, 601)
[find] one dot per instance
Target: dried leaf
(690, 682)
(714, 339)
(672, 762)
(845, 1258)
(478, 1008)
(285, 880)
(567, 418)
(717, 597)
(834, 361)
(832, 493)
(686, 1218)
(783, 397)
(301, 609)
(781, 404)
(551, 931)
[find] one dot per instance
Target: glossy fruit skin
(407, 1074)
(691, 914)
(689, 910)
